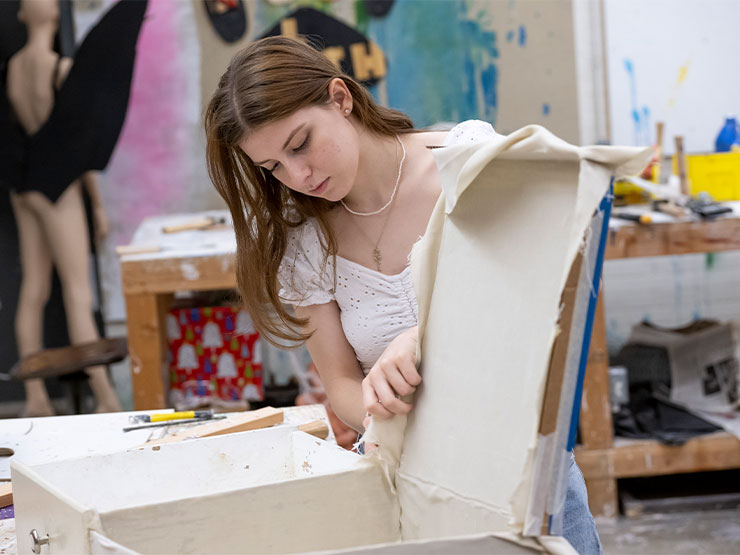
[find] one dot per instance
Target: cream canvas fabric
(488, 275)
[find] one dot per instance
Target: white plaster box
(276, 490)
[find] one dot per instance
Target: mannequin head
(36, 13)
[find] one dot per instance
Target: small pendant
(377, 257)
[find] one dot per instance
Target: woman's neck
(377, 172)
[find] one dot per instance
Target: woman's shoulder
(305, 237)
(470, 131)
(305, 272)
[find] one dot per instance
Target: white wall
(684, 64)
(685, 71)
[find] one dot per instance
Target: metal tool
(173, 423)
(163, 416)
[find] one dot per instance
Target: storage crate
(717, 174)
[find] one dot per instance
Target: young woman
(329, 191)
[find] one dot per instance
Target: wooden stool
(71, 361)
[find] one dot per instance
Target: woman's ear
(339, 96)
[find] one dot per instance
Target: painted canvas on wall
(510, 63)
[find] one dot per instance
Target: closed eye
(296, 150)
(304, 144)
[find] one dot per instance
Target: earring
(346, 111)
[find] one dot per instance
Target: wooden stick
(122, 250)
(201, 223)
(681, 162)
(659, 127)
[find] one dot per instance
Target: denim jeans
(579, 527)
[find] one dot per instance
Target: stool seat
(67, 360)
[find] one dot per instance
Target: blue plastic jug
(728, 136)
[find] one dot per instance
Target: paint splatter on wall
(442, 62)
(640, 114)
(682, 52)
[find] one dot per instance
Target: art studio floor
(700, 532)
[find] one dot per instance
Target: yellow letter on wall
(335, 54)
(366, 64)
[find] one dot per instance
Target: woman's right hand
(392, 376)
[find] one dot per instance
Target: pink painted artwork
(150, 163)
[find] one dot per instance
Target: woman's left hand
(393, 375)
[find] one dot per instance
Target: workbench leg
(145, 319)
(597, 431)
(602, 497)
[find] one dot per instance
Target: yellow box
(718, 174)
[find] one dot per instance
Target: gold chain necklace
(377, 254)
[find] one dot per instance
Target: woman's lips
(321, 188)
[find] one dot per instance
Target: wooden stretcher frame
(564, 386)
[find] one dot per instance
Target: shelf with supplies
(603, 458)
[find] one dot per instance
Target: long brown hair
(269, 80)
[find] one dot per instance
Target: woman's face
(314, 151)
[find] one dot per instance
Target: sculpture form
(59, 119)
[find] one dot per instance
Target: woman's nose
(300, 172)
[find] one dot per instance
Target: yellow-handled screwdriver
(165, 416)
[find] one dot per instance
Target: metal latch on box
(38, 541)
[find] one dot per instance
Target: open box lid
(489, 274)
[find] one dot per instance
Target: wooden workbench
(188, 261)
(602, 459)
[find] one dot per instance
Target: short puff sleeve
(470, 131)
(305, 273)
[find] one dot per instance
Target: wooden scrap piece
(316, 428)
(6, 494)
(251, 420)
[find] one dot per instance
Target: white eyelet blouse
(374, 307)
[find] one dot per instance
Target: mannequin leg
(34, 294)
(66, 233)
